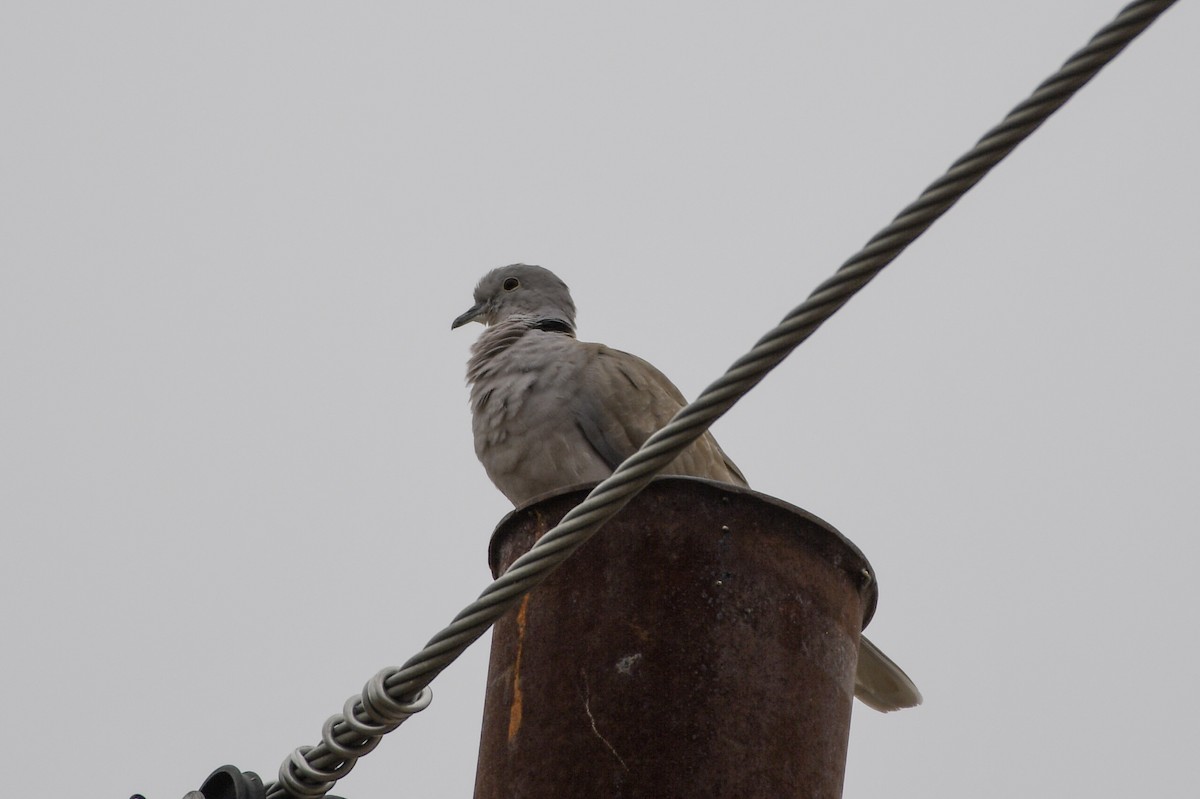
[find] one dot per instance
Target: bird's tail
(880, 683)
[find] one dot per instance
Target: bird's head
(519, 289)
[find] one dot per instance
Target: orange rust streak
(514, 710)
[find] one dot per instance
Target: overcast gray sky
(235, 458)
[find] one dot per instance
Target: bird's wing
(622, 400)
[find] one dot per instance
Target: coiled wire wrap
(361, 725)
(312, 771)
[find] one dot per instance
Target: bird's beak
(472, 314)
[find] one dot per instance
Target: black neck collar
(554, 326)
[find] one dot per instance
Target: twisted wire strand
(396, 693)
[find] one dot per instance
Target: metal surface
(703, 645)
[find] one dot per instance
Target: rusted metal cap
(702, 644)
(750, 506)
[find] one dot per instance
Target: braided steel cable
(396, 693)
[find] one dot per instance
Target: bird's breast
(525, 433)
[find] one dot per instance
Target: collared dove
(549, 411)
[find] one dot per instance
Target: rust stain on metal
(716, 632)
(643, 635)
(516, 709)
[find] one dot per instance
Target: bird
(549, 411)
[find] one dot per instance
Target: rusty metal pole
(703, 644)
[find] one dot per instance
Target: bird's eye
(511, 283)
